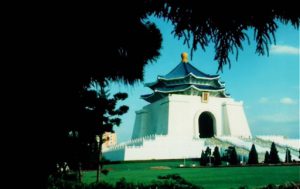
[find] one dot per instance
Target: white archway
(196, 122)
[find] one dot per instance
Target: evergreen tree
(208, 156)
(288, 158)
(274, 158)
(233, 159)
(253, 157)
(217, 156)
(203, 159)
(208, 151)
(104, 114)
(267, 157)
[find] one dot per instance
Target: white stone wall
(152, 119)
(178, 115)
(158, 147)
(237, 121)
(165, 147)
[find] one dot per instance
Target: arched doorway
(206, 125)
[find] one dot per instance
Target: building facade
(187, 111)
(190, 104)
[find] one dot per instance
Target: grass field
(223, 177)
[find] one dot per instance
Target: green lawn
(226, 177)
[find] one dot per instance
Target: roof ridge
(184, 69)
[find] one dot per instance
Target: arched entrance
(206, 125)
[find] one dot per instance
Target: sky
(268, 85)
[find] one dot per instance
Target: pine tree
(208, 156)
(217, 156)
(104, 115)
(288, 158)
(274, 158)
(267, 158)
(253, 157)
(203, 159)
(233, 159)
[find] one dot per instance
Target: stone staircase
(225, 144)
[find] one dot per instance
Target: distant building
(110, 139)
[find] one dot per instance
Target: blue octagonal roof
(184, 69)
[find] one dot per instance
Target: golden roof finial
(184, 57)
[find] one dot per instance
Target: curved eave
(187, 88)
(222, 83)
(151, 84)
(147, 97)
(152, 97)
(188, 75)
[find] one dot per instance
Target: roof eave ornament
(184, 57)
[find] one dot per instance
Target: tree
(106, 116)
(232, 156)
(84, 45)
(208, 156)
(288, 157)
(217, 156)
(253, 156)
(202, 25)
(274, 158)
(203, 159)
(267, 158)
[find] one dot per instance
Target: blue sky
(268, 85)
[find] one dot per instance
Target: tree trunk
(99, 157)
(79, 171)
(98, 161)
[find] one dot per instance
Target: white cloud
(284, 49)
(287, 101)
(263, 100)
(279, 118)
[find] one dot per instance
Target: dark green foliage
(288, 185)
(201, 25)
(217, 156)
(253, 156)
(174, 181)
(267, 158)
(169, 181)
(232, 156)
(274, 158)
(203, 159)
(206, 157)
(90, 45)
(122, 184)
(288, 157)
(105, 116)
(63, 184)
(208, 151)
